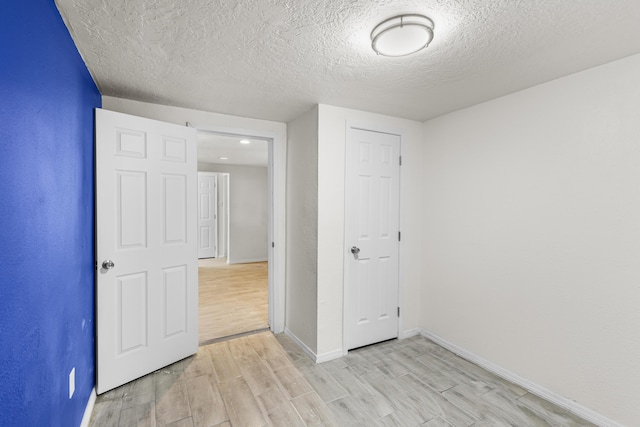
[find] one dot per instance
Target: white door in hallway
(146, 246)
(372, 210)
(207, 214)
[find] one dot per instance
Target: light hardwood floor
(232, 299)
(266, 380)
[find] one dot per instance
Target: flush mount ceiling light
(402, 35)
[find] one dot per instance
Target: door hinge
(399, 236)
(398, 311)
(400, 160)
(273, 245)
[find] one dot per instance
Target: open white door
(146, 246)
(207, 214)
(372, 210)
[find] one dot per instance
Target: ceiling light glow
(223, 158)
(402, 35)
(245, 141)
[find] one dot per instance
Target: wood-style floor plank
(271, 399)
(185, 422)
(266, 380)
(241, 405)
(313, 411)
(143, 415)
(172, 402)
(292, 382)
(207, 406)
(257, 373)
(232, 299)
(265, 345)
(323, 383)
(399, 419)
(106, 412)
(368, 397)
(347, 411)
(140, 392)
(404, 401)
(391, 368)
(241, 347)
(199, 364)
(224, 364)
(437, 405)
(285, 415)
(437, 422)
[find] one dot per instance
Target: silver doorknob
(355, 251)
(108, 264)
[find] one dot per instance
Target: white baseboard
(245, 261)
(300, 344)
(410, 333)
(325, 357)
(530, 386)
(336, 354)
(88, 409)
(318, 358)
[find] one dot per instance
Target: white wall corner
(538, 390)
(318, 358)
(88, 410)
(410, 333)
(300, 344)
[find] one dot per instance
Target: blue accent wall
(47, 320)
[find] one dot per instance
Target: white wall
(248, 211)
(332, 130)
(302, 228)
(531, 231)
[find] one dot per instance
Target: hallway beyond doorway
(232, 298)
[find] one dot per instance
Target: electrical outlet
(72, 382)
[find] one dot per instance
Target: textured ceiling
(274, 59)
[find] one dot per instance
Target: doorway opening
(234, 233)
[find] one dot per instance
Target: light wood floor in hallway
(266, 380)
(232, 298)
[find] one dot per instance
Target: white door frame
(223, 215)
(393, 131)
(276, 193)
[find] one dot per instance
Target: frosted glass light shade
(402, 35)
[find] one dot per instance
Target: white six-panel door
(207, 214)
(372, 241)
(146, 246)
